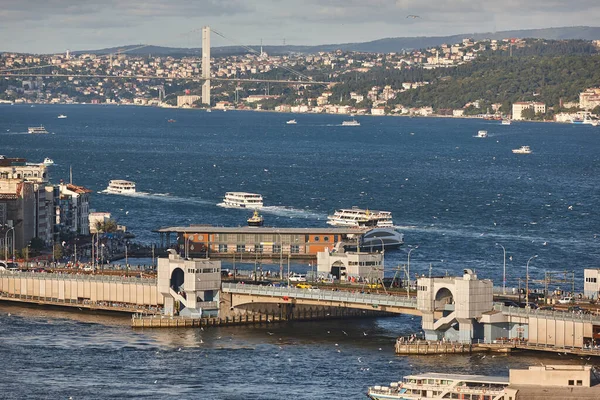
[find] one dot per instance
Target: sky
(53, 26)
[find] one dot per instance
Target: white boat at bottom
(442, 386)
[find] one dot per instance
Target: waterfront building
(589, 99)
(591, 284)
(96, 217)
(187, 100)
(519, 107)
(190, 287)
(264, 242)
(23, 191)
(348, 266)
(73, 209)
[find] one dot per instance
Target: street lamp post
(504, 270)
(186, 252)
(280, 256)
(527, 281)
(6, 243)
(408, 271)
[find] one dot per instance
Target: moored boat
(506, 121)
(442, 386)
(359, 217)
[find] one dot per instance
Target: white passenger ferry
(442, 386)
(358, 217)
(242, 200)
(351, 122)
(37, 129)
(119, 186)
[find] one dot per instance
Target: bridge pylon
(206, 65)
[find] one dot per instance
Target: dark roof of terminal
(261, 229)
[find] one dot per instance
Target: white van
(298, 278)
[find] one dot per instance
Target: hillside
(387, 45)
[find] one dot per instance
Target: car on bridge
(303, 285)
(297, 278)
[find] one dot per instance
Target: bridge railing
(76, 277)
(548, 314)
(327, 295)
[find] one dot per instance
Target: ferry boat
(291, 122)
(256, 219)
(119, 186)
(62, 116)
(442, 386)
(522, 150)
(48, 161)
(481, 134)
(506, 122)
(351, 122)
(37, 129)
(242, 200)
(358, 217)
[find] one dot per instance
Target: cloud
(129, 12)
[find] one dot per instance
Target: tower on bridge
(206, 65)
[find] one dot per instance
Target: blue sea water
(453, 195)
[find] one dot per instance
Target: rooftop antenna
(261, 49)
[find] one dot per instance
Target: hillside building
(519, 107)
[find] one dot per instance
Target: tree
(528, 113)
(596, 110)
(106, 226)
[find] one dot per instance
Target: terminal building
(268, 242)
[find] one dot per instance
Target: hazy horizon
(53, 26)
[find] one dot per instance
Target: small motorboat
(482, 134)
(256, 219)
(291, 122)
(62, 116)
(48, 161)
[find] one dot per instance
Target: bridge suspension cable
(251, 50)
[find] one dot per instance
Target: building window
(579, 383)
(316, 239)
(240, 248)
(258, 248)
(326, 239)
(222, 248)
(277, 248)
(571, 382)
(294, 249)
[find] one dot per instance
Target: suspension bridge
(204, 76)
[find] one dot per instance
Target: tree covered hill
(546, 71)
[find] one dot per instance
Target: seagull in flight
(412, 16)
